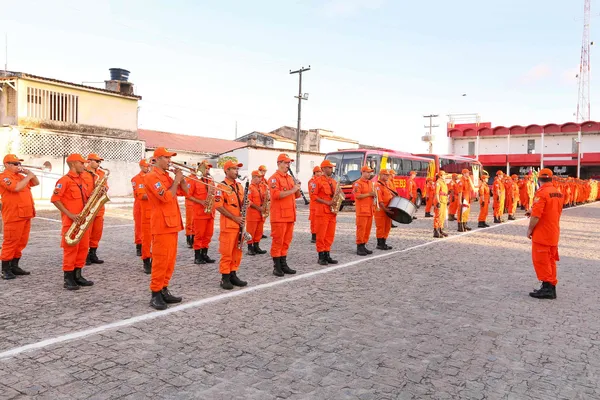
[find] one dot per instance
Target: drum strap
(393, 191)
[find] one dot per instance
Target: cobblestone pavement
(445, 320)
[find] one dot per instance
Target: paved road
(443, 320)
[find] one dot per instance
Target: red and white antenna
(583, 103)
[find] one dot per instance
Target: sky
(377, 66)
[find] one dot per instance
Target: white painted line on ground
(201, 302)
(59, 230)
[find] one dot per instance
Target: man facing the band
(499, 197)
(284, 192)
(322, 191)
(162, 192)
(203, 222)
(255, 221)
(229, 199)
(136, 181)
(317, 172)
(484, 200)
(364, 192)
(383, 222)
(70, 195)
(17, 211)
(145, 217)
(466, 189)
(93, 174)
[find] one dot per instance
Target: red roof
(485, 129)
(195, 144)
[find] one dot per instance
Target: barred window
(54, 106)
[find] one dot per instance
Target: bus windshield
(347, 165)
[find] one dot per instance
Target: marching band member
(137, 210)
(93, 175)
(284, 192)
(484, 200)
(429, 194)
(263, 171)
(453, 197)
(499, 197)
(189, 213)
(70, 194)
(411, 187)
(254, 218)
(145, 215)
(394, 188)
(322, 191)
(383, 222)
(162, 192)
(465, 189)
(229, 199)
(203, 222)
(317, 172)
(363, 200)
(516, 199)
(440, 203)
(17, 211)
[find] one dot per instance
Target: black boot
(387, 247)
(360, 250)
(285, 267)
(436, 233)
(205, 256)
(367, 250)
(138, 250)
(191, 241)
(428, 215)
(451, 218)
(251, 251)
(329, 259)
(168, 297)
(147, 265)
(511, 218)
(157, 301)
(226, 282)
(198, 259)
(277, 266)
(258, 250)
(466, 227)
(322, 259)
(496, 220)
(486, 225)
(481, 224)
(7, 270)
(80, 280)
(235, 281)
(70, 283)
(264, 236)
(461, 228)
(379, 244)
(14, 264)
(93, 257)
(313, 238)
(547, 291)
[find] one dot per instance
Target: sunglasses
(14, 163)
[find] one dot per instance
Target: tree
(222, 160)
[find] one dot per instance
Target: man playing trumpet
(93, 175)
(203, 222)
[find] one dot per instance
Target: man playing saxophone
(200, 194)
(70, 195)
(317, 173)
(255, 220)
(326, 193)
(93, 175)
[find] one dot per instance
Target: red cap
(11, 158)
(231, 164)
(327, 163)
(283, 157)
(94, 157)
(366, 168)
(545, 173)
(453, 176)
(144, 163)
(317, 169)
(76, 157)
(163, 152)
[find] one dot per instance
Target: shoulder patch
(133, 184)
(7, 181)
(59, 185)
(157, 185)
(141, 186)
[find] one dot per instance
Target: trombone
(44, 170)
(190, 173)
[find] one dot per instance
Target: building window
(471, 148)
(531, 146)
(54, 106)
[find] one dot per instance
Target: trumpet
(190, 173)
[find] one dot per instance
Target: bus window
(394, 163)
(406, 167)
(347, 165)
(373, 161)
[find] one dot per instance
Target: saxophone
(87, 215)
(210, 197)
(376, 198)
(244, 235)
(338, 198)
(267, 203)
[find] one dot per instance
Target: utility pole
(583, 101)
(300, 97)
(236, 129)
(428, 138)
(6, 51)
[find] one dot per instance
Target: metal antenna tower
(583, 102)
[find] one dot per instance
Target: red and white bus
(349, 162)
(452, 164)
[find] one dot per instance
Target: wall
(330, 145)
(284, 145)
(8, 106)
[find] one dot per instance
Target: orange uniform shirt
(499, 190)
(323, 187)
(547, 206)
(257, 195)
(384, 192)
(199, 191)
(282, 210)
(467, 189)
(139, 190)
(73, 191)
(232, 202)
(441, 190)
(484, 192)
(364, 207)
(412, 188)
(166, 216)
(16, 206)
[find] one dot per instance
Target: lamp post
(300, 97)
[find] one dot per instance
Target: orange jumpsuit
(364, 210)
(145, 214)
(465, 189)
(165, 224)
(547, 206)
(283, 213)
(499, 196)
(439, 214)
(484, 200)
(17, 211)
(429, 193)
(137, 208)
(189, 213)
(73, 191)
(411, 189)
(254, 220)
(523, 199)
(229, 232)
(511, 200)
(325, 220)
(98, 224)
(203, 223)
(383, 223)
(453, 200)
(311, 207)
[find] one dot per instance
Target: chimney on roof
(119, 81)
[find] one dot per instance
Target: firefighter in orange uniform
(263, 171)
(383, 222)
(516, 198)
(411, 187)
(70, 195)
(453, 198)
(203, 223)
(284, 192)
(322, 192)
(92, 175)
(311, 208)
(141, 198)
(364, 194)
(254, 217)
(137, 207)
(17, 211)
(394, 188)
(166, 223)
(465, 190)
(484, 200)
(429, 194)
(189, 213)
(440, 203)
(522, 185)
(499, 197)
(544, 232)
(229, 200)
(509, 196)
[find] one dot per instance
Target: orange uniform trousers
(146, 239)
(509, 202)
(466, 211)
(164, 252)
(311, 218)
(325, 226)
(255, 229)
(428, 204)
(231, 256)
(189, 218)
(498, 207)
(453, 207)
(544, 262)
(74, 256)
(137, 222)
(203, 230)
(281, 234)
(363, 229)
(383, 224)
(483, 211)
(16, 236)
(96, 229)
(439, 216)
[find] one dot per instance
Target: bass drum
(403, 210)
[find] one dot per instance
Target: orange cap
(284, 157)
(205, 162)
(442, 172)
(327, 163)
(514, 176)
(384, 172)
(76, 157)
(144, 163)
(317, 169)
(366, 168)
(545, 173)
(256, 173)
(163, 152)
(412, 173)
(499, 172)
(262, 168)
(453, 176)
(11, 158)
(465, 171)
(231, 164)
(392, 172)
(94, 157)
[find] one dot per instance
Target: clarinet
(244, 236)
(295, 181)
